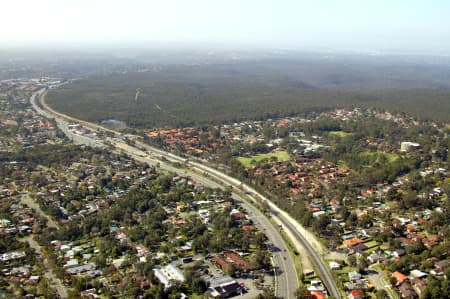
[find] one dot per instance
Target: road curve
(285, 268)
(287, 278)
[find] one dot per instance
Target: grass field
(388, 156)
(371, 244)
(280, 155)
(384, 247)
(345, 270)
(295, 257)
(339, 133)
(341, 163)
(371, 250)
(196, 296)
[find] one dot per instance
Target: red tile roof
(247, 227)
(237, 259)
(401, 278)
(353, 242)
(357, 294)
(221, 262)
(316, 295)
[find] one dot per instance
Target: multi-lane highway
(286, 275)
(307, 241)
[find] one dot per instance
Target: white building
(167, 274)
(407, 146)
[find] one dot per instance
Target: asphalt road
(380, 281)
(52, 279)
(285, 272)
(63, 125)
(32, 204)
(319, 266)
(286, 275)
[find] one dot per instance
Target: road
(287, 278)
(52, 279)
(286, 273)
(306, 239)
(63, 125)
(287, 281)
(312, 246)
(380, 281)
(301, 235)
(32, 204)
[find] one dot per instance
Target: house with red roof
(225, 260)
(221, 262)
(357, 294)
(335, 202)
(247, 227)
(316, 295)
(353, 242)
(400, 277)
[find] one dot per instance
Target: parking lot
(254, 283)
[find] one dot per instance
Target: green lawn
(371, 250)
(371, 244)
(339, 133)
(280, 155)
(295, 257)
(384, 247)
(393, 294)
(197, 296)
(345, 270)
(388, 156)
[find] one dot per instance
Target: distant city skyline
(348, 25)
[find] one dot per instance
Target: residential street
(286, 273)
(32, 204)
(52, 279)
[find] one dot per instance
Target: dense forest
(180, 95)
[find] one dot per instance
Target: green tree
(267, 294)
(382, 294)
(301, 292)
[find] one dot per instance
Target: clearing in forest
(281, 156)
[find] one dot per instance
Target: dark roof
(359, 247)
(442, 264)
(231, 287)
(228, 289)
(407, 291)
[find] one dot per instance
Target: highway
(286, 274)
(287, 278)
(308, 241)
(63, 125)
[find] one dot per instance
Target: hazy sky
(360, 25)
